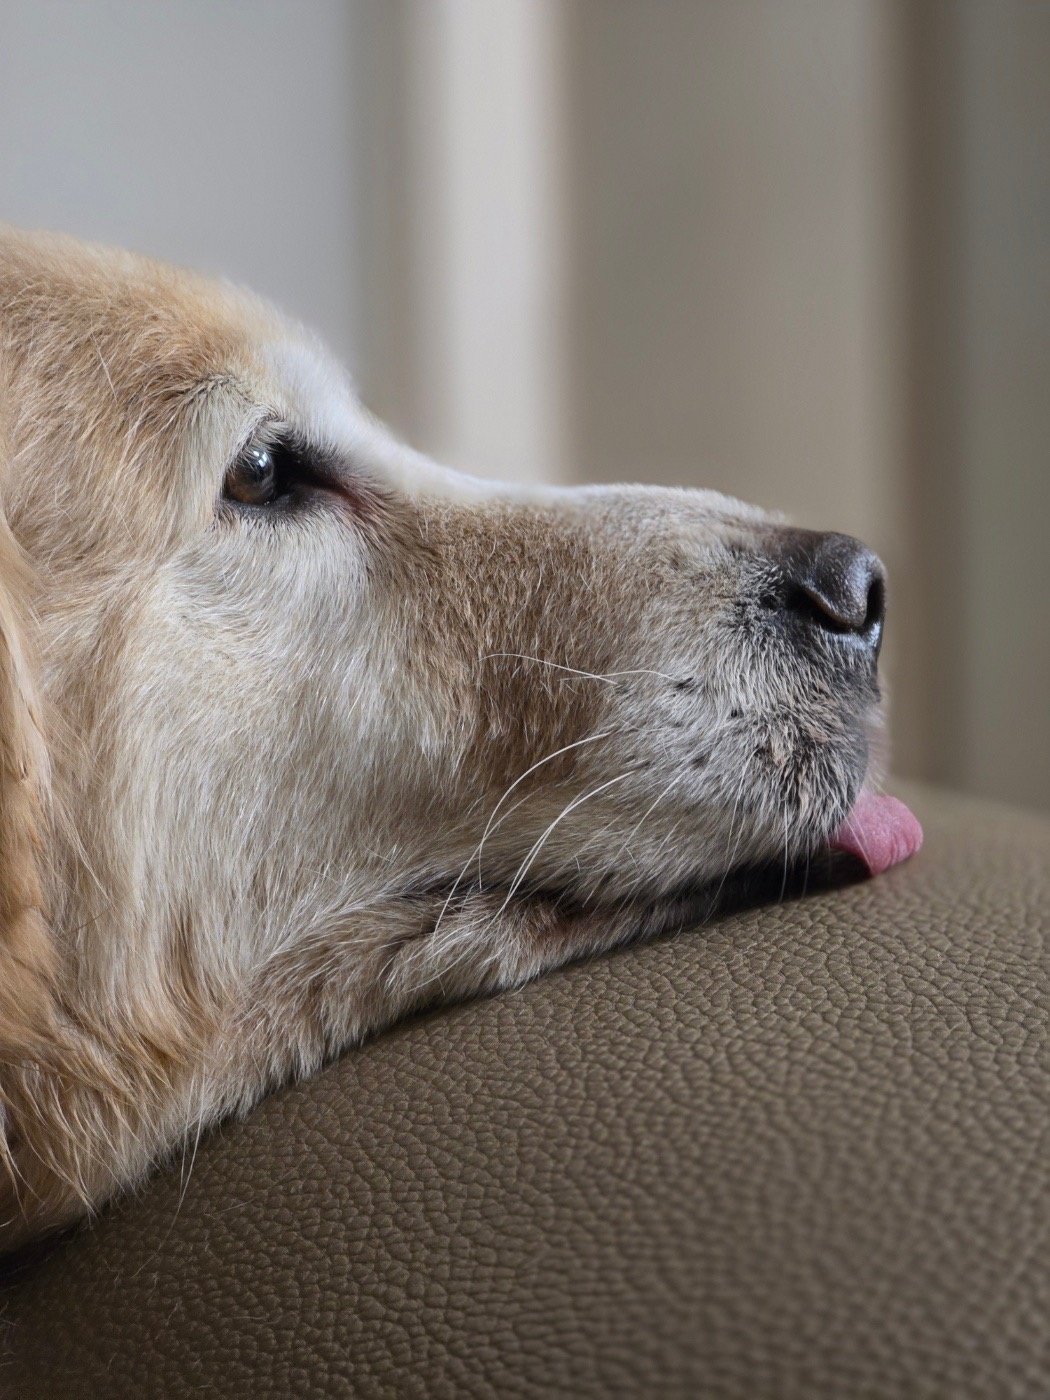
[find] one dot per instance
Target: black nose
(835, 582)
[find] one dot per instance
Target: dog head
(302, 730)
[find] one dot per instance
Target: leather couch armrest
(799, 1152)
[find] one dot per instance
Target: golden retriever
(301, 731)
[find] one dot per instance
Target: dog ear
(26, 953)
(28, 960)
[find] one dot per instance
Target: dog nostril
(836, 582)
(876, 611)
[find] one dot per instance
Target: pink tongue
(880, 831)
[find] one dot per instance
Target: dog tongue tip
(880, 832)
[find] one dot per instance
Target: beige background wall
(798, 250)
(216, 133)
(996, 339)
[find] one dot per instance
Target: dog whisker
(491, 824)
(609, 677)
(527, 863)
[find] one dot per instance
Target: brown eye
(252, 480)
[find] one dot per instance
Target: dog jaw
(410, 736)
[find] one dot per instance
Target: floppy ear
(27, 956)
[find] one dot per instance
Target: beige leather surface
(804, 1152)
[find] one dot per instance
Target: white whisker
(527, 863)
(476, 853)
(609, 677)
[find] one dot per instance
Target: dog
(301, 731)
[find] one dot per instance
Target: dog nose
(837, 583)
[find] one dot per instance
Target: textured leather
(802, 1152)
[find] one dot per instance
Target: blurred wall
(461, 108)
(979, 376)
(215, 133)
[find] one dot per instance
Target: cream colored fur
(272, 777)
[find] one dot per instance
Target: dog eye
(282, 473)
(253, 479)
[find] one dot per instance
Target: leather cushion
(801, 1152)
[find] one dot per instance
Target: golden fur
(271, 776)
